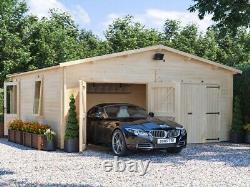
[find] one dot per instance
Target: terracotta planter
(38, 141)
(1, 130)
(236, 137)
(71, 145)
(247, 138)
(19, 137)
(27, 139)
(11, 135)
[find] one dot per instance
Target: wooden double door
(200, 112)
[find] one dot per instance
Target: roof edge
(32, 71)
(129, 52)
(160, 47)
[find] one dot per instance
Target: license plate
(166, 141)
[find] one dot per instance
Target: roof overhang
(135, 51)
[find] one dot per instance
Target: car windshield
(125, 111)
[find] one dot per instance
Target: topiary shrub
(237, 124)
(72, 128)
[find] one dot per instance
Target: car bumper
(149, 143)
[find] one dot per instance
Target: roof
(136, 51)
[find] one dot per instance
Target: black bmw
(129, 127)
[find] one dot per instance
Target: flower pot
(19, 137)
(71, 145)
(50, 145)
(236, 137)
(27, 139)
(11, 135)
(38, 141)
(247, 138)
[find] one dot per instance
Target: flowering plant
(16, 124)
(49, 134)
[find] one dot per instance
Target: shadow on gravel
(24, 183)
(235, 155)
(5, 172)
(14, 145)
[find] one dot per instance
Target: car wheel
(119, 146)
(174, 150)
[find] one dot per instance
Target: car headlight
(183, 131)
(137, 132)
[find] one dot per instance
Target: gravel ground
(219, 164)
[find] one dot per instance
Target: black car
(129, 127)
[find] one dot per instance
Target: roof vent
(158, 56)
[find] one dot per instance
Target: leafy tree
(72, 128)
(13, 52)
(228, 14)
(125, 34)
(242, 88)
(171, 29)
(237, 124)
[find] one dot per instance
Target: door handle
(190, 113)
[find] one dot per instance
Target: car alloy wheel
(118, 143)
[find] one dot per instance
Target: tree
(242, 88)
(72, 128)
(228, 14)
(237, 124)
(125, 34)
(13, 52)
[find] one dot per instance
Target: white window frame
(39, 113)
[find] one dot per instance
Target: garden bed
(30, 134)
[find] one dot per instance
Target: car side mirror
(151, 114)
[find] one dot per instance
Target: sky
(96, 15)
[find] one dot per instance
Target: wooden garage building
(193, 91)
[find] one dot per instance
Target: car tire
(119, 146)
(174, 150)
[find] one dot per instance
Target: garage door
(200, 112)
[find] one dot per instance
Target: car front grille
(165, 134)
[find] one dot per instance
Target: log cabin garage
(190, 90)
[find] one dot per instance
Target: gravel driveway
(219, 164)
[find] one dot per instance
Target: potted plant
(236, 134)
(247, 133)
(50, 140)
(38, 135)
(15, 131)
(71, 138)
(27, 134)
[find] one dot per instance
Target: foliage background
(28, 43)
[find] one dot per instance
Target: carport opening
(98, 93)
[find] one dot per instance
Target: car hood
(151, 124)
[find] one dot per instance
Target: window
(11, 99)
(37, 98)
(125, 111)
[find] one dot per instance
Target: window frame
(39, 111)
(7, 104)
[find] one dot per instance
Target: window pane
(37, 97)
(11, 93)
